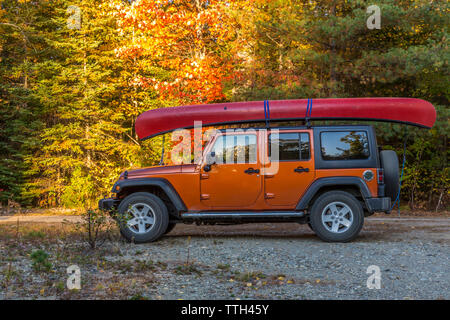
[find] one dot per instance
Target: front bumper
(108, 204)
(379, 204)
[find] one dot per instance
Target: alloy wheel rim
(143, 218)
(337, 217)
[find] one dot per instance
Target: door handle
(301, 169)
(251, 170)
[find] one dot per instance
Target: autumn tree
(269, 51)
(185, 44)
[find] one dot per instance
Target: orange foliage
(187, 38)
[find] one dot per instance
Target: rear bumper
(379, 204)
(108, 204)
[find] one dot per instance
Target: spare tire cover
(389, 162)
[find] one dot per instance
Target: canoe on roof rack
(410, 111)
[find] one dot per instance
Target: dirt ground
(248, 261)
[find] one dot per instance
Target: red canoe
(402, 110)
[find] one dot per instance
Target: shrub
(96, 226)
(40, 261)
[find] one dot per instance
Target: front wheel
(143, 217)
(337, 216)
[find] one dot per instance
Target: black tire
(158, 211)
(170, 227)
(338, 200)
(389, 163)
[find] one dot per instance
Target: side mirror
(211, 158)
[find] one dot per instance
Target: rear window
(292, 146)
(344, 145)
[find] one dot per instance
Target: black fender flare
(332, 181)
(162, 183)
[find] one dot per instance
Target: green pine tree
(86, 141)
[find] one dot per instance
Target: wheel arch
(353, 185)
(157, 186)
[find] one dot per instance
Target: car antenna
(161, 162)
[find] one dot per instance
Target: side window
(344, 145)
(292, 146)
(235, 148)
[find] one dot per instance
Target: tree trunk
(332, 56)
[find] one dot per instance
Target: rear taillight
(380, 173)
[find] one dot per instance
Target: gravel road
(274, 261)
(413, 255)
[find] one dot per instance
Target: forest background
(74, 75)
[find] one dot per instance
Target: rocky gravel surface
(252, 261)
(286, 261)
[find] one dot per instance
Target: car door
(234, 180)
(295, 167)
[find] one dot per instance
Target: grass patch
(35, 234)
(185, 269)
(40, 261)
(248, 276)
(223, 267)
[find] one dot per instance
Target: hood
(149, 171)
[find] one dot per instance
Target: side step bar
(243, 215)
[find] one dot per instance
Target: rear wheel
(143, 217)
(337, 216)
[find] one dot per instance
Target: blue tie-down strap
(308, 111)
(266, 112)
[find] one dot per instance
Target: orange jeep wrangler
(329, 177)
